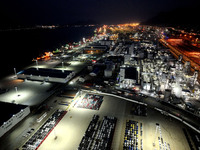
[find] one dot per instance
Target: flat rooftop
(46, 72)
(7, 110)
(29, 93)
(131, 73)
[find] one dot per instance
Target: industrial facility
(11, 114)
(117, 91)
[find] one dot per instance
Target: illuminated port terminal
(130, 81)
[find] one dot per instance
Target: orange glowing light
(46, 56)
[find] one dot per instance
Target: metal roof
(46, 72)
(7, 110)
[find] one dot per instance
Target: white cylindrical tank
(177, 90)
(167, 94)
(108, 72)
(162, 87)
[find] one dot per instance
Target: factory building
(116, 60)
(187, 67)
(129, 77)
(109, 69)
(95, 49)
(127, 58)
(107, 42)
(10, 115)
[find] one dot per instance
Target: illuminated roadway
(189, 53)
(71, 128)
(154, 103)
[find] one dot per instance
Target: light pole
(16, 91)
(15, 72)
(55, 136)
(37, 64)
(62, 66)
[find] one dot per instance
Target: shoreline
(27, 45)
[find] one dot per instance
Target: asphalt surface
(152, 102)
(71, 128)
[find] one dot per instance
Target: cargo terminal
(124, 86)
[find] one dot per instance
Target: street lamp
(16, 91)
(37, 64)
(15, 72)
(62, 66)
(55, 136)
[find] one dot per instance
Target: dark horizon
(63, 12)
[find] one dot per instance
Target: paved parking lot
(72, 127)
(90, 101)
(26, 92)
(99, 134)
(133, 135)
(36, 140)
(171, 131)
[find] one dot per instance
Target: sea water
(19, 47)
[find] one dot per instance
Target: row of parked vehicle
(91, 101)
(195, 138)
(141, 133)
(139, 110)
(35, 141)
(163, 145)
(90, 133)
(105, 134)
(161, 142)
(99, 134)
(188, 139)
(131, 136)
(28, 133)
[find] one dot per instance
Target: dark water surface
(19, 47)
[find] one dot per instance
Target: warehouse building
(47, 75)
(10, 115)
(95, 49)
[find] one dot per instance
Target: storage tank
(108, 73)
(167, 94)
(177, 90)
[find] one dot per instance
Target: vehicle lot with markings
(71, 128)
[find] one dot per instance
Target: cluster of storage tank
(161, 72)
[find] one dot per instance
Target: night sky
(72, 11)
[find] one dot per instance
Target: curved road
(152, 102)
